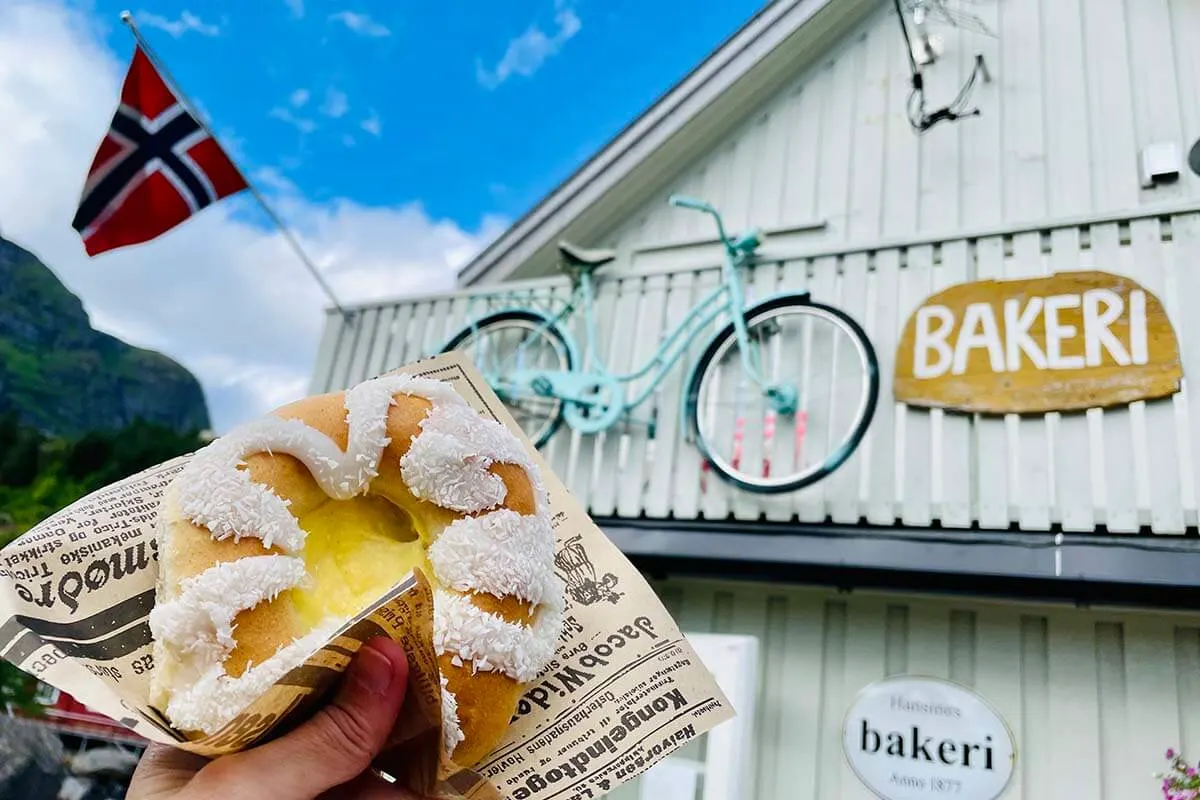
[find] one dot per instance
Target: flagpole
(127, 18)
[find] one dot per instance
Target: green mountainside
(62, 377)
(79, 409)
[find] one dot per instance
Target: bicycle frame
(582, 387)
(591, 398)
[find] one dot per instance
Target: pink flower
(1170, 753)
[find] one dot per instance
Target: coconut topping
(451, 730)
(447, 463)
(199, 621)
(214, 698)
(198, 627)
(499, 553)
(490, 643)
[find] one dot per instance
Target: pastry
(277, 533)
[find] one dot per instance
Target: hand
(329, 753)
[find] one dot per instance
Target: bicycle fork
(781, 399)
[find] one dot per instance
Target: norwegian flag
(156, 167)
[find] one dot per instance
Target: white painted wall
(1126, 468)
(1093, 697)
(1078, 88)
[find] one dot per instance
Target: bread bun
(277, 533)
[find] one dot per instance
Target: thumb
(333, 747)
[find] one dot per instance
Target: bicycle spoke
(772, 449)
(744, 434)
(807, 382)
(503, 345)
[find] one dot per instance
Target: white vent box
(1158, 163)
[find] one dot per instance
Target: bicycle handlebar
(689, 202)
(683, 201)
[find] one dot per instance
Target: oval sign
(915, 738)
(1065, 342)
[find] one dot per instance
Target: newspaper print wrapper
(624, 690)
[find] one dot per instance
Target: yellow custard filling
(355, 551)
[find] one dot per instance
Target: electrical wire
(912, 61)
(918, 118)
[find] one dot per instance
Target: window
(719, 765)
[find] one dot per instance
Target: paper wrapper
(624, 690)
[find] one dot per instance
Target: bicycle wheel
(508, 340)
(830, 365)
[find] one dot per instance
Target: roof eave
(733, 62)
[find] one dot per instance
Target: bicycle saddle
(579, 257)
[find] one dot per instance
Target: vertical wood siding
(1093, 697)
(1128, 469)
(1078, 88)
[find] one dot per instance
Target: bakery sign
(913, 738)
(1065, 342)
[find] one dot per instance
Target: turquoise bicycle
(753, 402)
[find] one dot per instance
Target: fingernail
(373, 670)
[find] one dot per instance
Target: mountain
(65, 378)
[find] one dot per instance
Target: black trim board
(1137, 570)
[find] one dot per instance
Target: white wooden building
(1050, 563)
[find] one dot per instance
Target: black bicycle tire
(525, 316)
(834, 460)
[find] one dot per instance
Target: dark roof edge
(1132, 570)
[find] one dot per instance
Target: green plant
(17, 690)
(1182, 782)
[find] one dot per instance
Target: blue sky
(461, 128)
(396, 140)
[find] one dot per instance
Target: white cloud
(336, 103)
(177, 27)
(361, 24)
(299, 97)
(372, 124)
(526, 54)
(296, 7)
(221, 294)
(302, 124)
